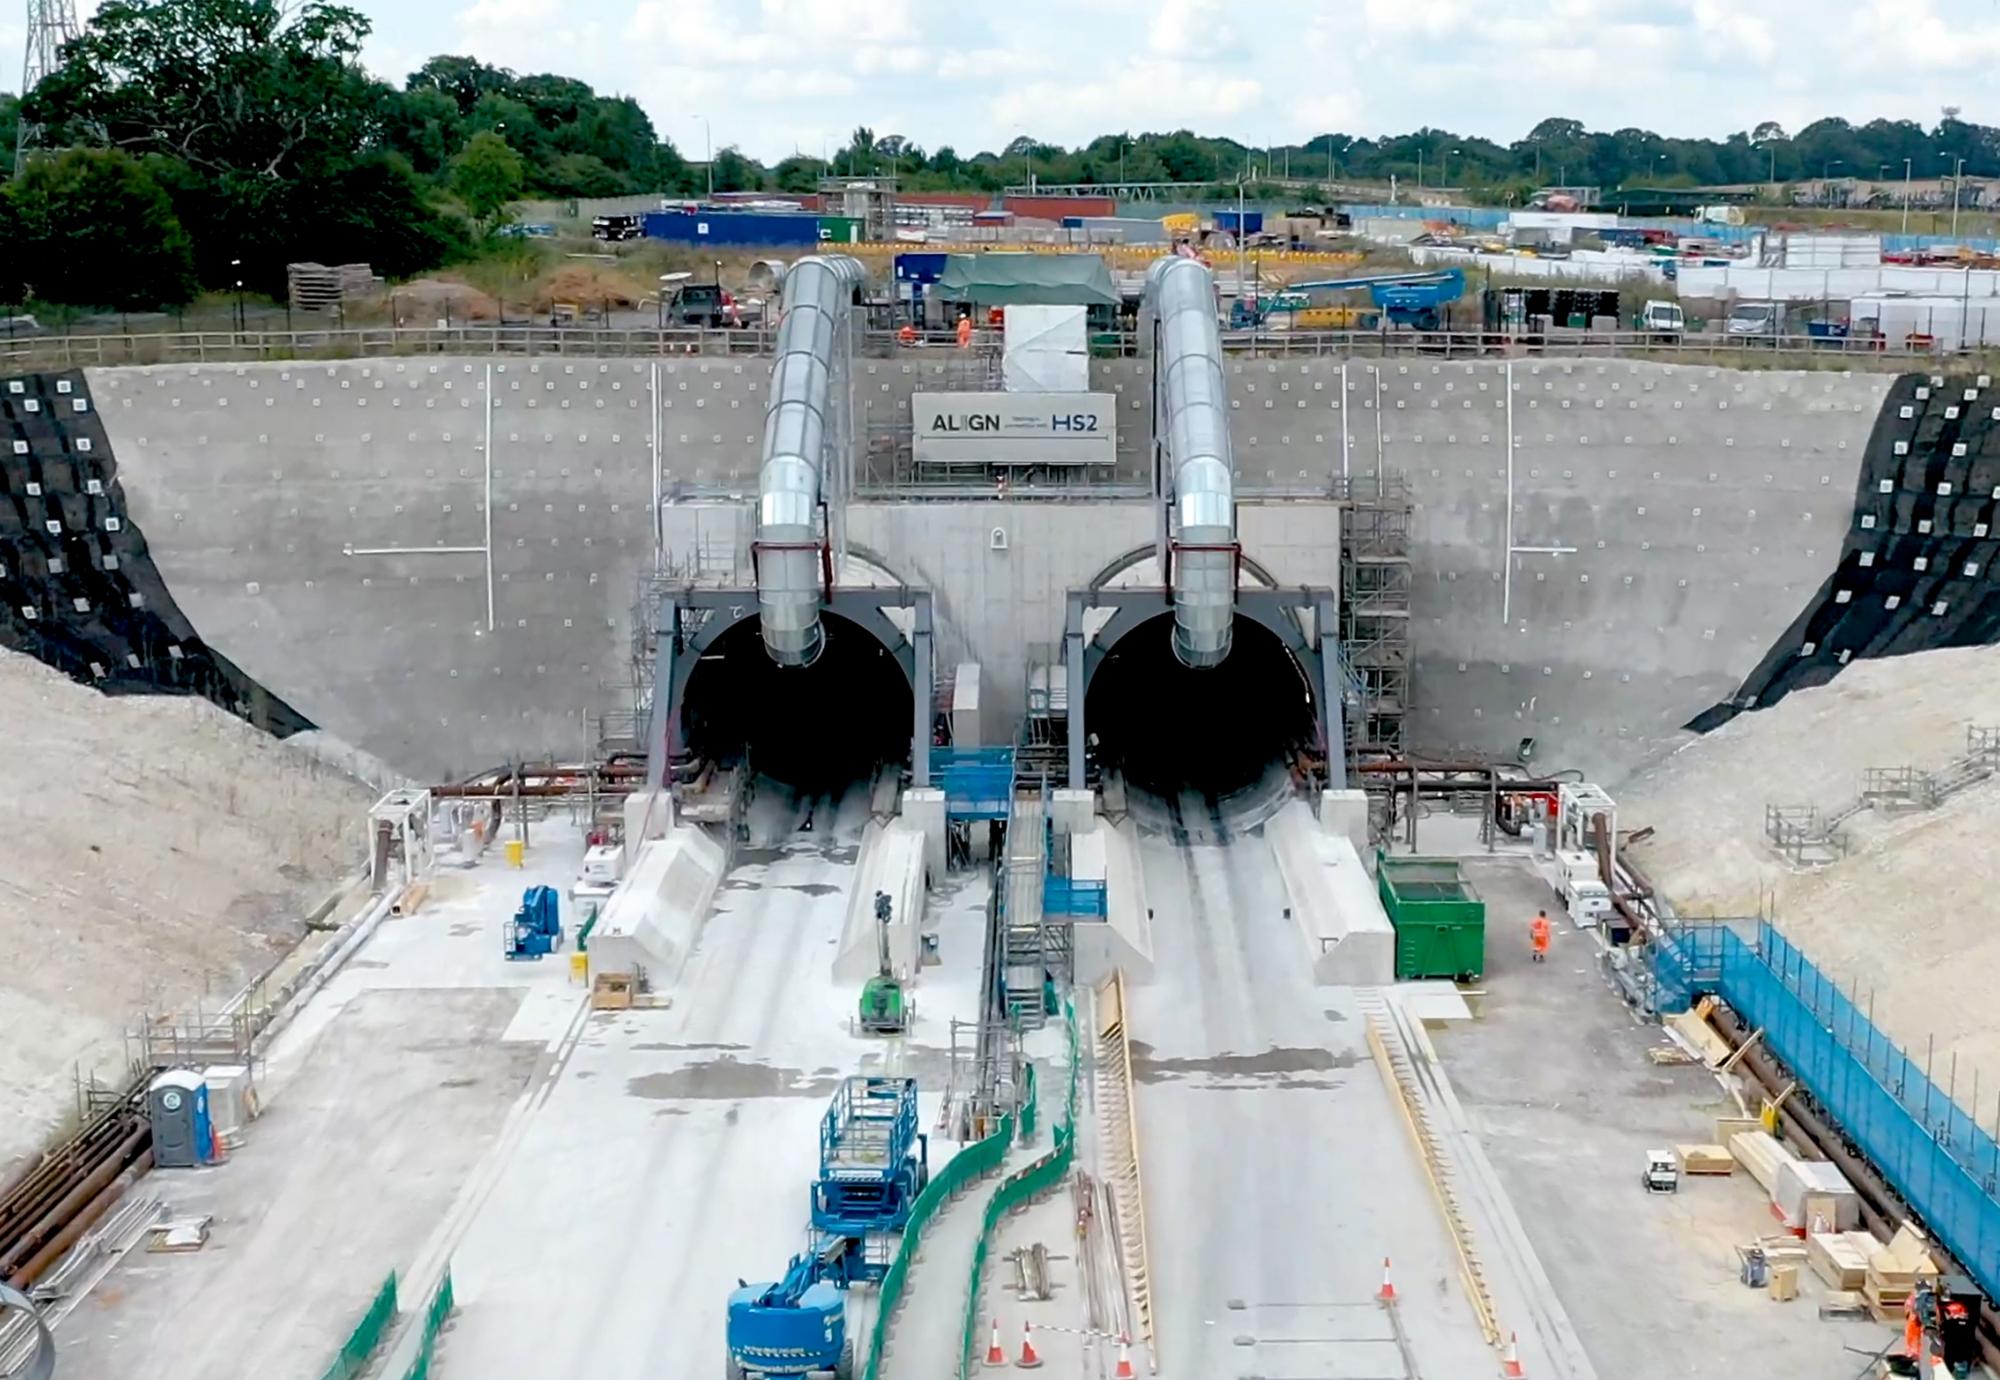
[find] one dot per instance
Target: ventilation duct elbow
(798, 425)
(1194, 429)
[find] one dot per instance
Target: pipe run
(798, 423)
(1194, 422)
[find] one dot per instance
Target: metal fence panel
(366, 1336)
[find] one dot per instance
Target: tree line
(208, 143)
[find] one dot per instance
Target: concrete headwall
(1617, 568)
(1602, 550)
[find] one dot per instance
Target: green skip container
(1440, 920)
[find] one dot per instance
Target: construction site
(1071, 842)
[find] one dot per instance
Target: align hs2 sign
(1014, 428)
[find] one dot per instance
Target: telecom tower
(51, 23)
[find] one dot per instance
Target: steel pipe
(798, 422)
(1193, 411)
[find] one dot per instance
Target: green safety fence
(976, 1161)
(1031, 1112)
(1017, 1190)
(367, 1334)
(434, 1318)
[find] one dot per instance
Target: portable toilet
(177, 1103)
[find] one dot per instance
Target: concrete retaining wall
(1696, 510)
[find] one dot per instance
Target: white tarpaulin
(1047, 350)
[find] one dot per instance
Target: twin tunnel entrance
(1168, 731)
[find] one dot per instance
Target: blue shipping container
(920, 268)
(737, 229)
(1253, 222)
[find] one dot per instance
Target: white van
(1758, 319)
(1663, 318)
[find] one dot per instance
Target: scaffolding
(1376, 584)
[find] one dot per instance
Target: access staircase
(1377, 581)
(1024, 940)
(1808, 837)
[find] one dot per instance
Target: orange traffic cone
(1029, 1360)
(1124, 1371)
(1388, 1294)
(996, 1355)
(1510, 1364)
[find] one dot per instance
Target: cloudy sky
(774, 76)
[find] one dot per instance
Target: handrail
(94, 349)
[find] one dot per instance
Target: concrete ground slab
(1279, 1171)
(1554, 1077)
(675, 1153)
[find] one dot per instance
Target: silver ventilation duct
(1194, 422)
(799, 424)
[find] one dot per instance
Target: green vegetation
(220, 140)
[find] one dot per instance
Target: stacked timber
(1894, 1269)
(1760, 1153)
(1704, 1159)
(1840, 1258)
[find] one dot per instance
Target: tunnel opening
(1224, 733)
(819, 729)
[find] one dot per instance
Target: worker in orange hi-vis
(964, 330)
(907, 336)
(1538, 935)
(1913, 1330)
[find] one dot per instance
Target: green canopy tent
(1005, 280)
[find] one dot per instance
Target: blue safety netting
(1924, 1144)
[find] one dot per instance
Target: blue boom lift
(873, 1163)
(1404, 299)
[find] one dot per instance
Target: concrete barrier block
(1344, 814)
(891, 861)
(923, 812)
(1346, 933)
(649, 816)
(1073, 812)
(1124, 938)
(652, 921)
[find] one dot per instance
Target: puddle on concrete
(1274, 1067)
(670, 1111)
(459, 1083)
(729, 1080)
(701, 1045)
(366, 963)
(462, 929)
(1333, 1015)
(811, 888)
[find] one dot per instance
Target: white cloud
(775, 73)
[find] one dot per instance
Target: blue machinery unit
(1407, 299)
(536, 928)
(873, 1162)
